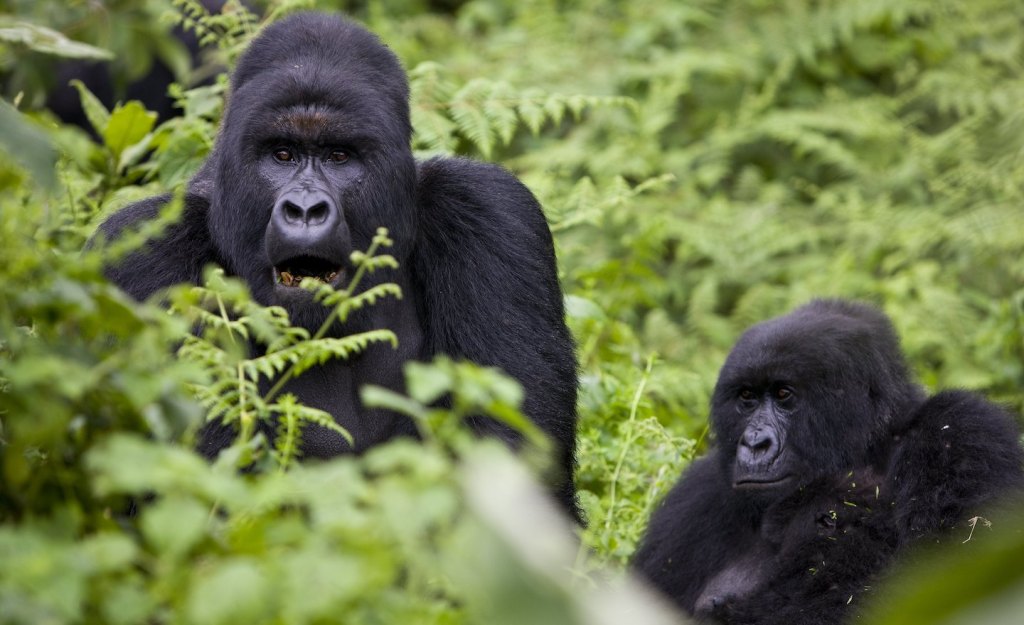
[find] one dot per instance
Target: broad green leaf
(426, 383)
(47, 41)
(232, 591)
(583, 308)
(128, 603)
(108, 552)
(380, 397)
(128, 125)
(28, 145)
(174, 524)
(95, 112)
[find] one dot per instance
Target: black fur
(318, 105)
(830, 461)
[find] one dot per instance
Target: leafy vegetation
(704, 165)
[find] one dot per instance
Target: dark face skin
(307, 234)
(311, 186)
(781, 421)
(762, 458)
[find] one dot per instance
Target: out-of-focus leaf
(236, 590)
(427, 384)
(95, 112)
(977, 581)
(128, 125)
(174, 524)
(27, 145)
(48, 41)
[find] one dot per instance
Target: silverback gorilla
(829, 461)
(313, 155)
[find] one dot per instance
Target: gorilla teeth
(294, 278)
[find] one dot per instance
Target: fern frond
(228, 399)
(230, 29)
(203, 352)
(288, 404)
(348, 304)
(485, 112)
(211, 320)
(588, 204)
(806, 32)
(288, 442)
(271, 326)
(428, 85)
(297, 359)
(373, 263)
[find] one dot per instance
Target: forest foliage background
(704, 164)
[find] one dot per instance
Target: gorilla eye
(284, 155)
(747, 394)
(338, 156)
(783, 393)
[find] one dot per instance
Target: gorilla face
(760, 414)
(762, 457)
(308, 234)
(312, 159)
(808, 395)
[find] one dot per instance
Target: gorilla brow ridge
(314, 123)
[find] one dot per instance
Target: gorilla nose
(307, 223)
(758, 446)
(305, 208)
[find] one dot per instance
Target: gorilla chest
(334, 387)
(736, 582)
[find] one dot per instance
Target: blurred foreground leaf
(27, 145)
(47, 41)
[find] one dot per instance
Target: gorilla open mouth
(291, 272)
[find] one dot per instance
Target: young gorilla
(829, 461)
(312, 157)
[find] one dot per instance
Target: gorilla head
(809, 394)
(313, 156)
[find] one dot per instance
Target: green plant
(704, 165)
(230, 325)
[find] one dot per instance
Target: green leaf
(978, 580)
(317, 584)
(28, 145)
(380, 397)
(174, 524)
(583, 308)
(128, 603)
(427, 383)
(128, 125)
(48, 41)
(108, 552)
(233, 591)
(95, 112)
(130, 465)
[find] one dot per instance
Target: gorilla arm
(957, 453)
(696, 538)
(801, 561)
(176, 255)
(486, 279)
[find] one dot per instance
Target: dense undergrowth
(704, 165)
